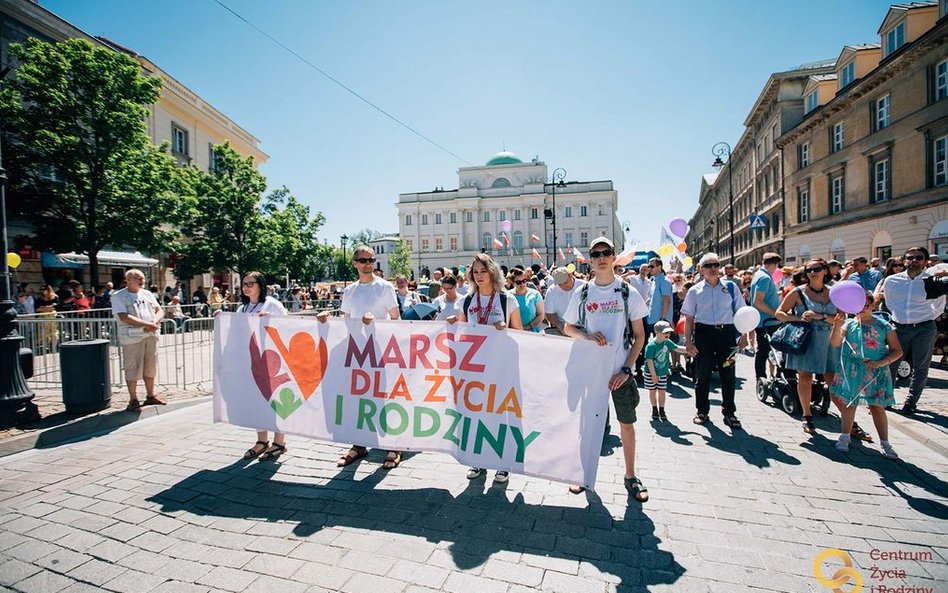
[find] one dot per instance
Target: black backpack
(627, 335)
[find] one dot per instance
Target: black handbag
(792, 338)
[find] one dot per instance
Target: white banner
(508, 400)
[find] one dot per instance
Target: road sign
(758, 221)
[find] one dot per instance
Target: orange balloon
(682, 246)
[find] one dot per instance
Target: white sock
(844, 437)
(884, 443)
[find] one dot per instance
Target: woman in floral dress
(869, 346)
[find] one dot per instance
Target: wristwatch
(626, 370)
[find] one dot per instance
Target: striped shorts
(652, 383)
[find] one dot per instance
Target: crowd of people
(654, 325)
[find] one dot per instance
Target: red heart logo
(306, 361)
(595, 306)
(265, 367)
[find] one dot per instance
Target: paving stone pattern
(166, 505)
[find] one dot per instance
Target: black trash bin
(86, 377)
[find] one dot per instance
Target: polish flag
(579, 256)
(498, 244)
(534, 238)
(535, 254)
(562, 256)
(506, 242)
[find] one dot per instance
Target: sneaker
(909, 407)
(842, 444)
(501, 477)
(475, 472)
(887, 451)
(654, 413)
(661, 415)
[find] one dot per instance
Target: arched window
(501, 182)
(838, 250)
(486, 241)
(804, 254)
(518, 241)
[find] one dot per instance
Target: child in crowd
(869, 347)
(657, 367)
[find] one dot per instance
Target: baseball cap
(664, 327)
(602, 240)
(560, 275)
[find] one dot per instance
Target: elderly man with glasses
(711, 338)
(139, 317)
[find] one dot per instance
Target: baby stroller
(783, 389)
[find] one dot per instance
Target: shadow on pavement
(755, 450)
(476, 523)
(893, 474)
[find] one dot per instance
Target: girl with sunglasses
(869, 346)
(530, 302)
(810, 303)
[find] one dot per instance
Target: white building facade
(446, 228)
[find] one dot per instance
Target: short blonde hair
(496, 275)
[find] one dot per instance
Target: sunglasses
(815, 270)
(520, 282)
(364, 260)
(651, 266)
(898, 265)
(914, 257)
(711, 265)
(248, 284)
(603, 253)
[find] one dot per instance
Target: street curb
(909, 429)
(97, 425)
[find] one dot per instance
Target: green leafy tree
(363, 237)
(82, 168)
(290, 242)
(400, 260)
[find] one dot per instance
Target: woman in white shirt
(488, 304)
(450, 302)
(254, 301)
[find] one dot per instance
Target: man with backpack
(609, 312)
(711, 338)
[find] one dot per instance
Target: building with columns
(448, 227)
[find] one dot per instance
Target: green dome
(504, 158)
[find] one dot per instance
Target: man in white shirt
(607, 322)
(139, 316)
(914, 315)
(558, 295)
(370, 298)
(642, 283)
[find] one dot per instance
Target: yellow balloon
(13, 260)
(682, 247)
(688, 261)
(570, 268)
(665, 250)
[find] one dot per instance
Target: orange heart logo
(306, 361)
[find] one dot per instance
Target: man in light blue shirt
(867, 277)
(661, 301)
(765, 299)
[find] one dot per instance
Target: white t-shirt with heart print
(605, 313)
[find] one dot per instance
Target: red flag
(506, 242)
(534, 238)
(579, 256)
(498, 244)
(562, 256)
(535, 254)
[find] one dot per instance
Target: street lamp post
(16, 398)
(345, 271)
(558, 175)
(718, 150)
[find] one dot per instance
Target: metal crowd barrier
(184, 353)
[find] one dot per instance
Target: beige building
(755, 168)
(447, 227)
(867, 169)
(181, 117)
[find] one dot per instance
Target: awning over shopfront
(106, 258)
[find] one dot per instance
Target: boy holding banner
(608, 312)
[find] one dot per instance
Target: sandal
(392, 460)
(733, 422)
(700, 418)
(859, 433)
(252, 452)
(133, 406)
(808, 426)
(351, 455)
(273, 453)
(153, 401)
(635, 487)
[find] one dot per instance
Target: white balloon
(746, 319)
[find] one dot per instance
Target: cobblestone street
(166, 505)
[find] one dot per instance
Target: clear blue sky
(632, 91)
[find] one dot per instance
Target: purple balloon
(848, 296)
(678, 227)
